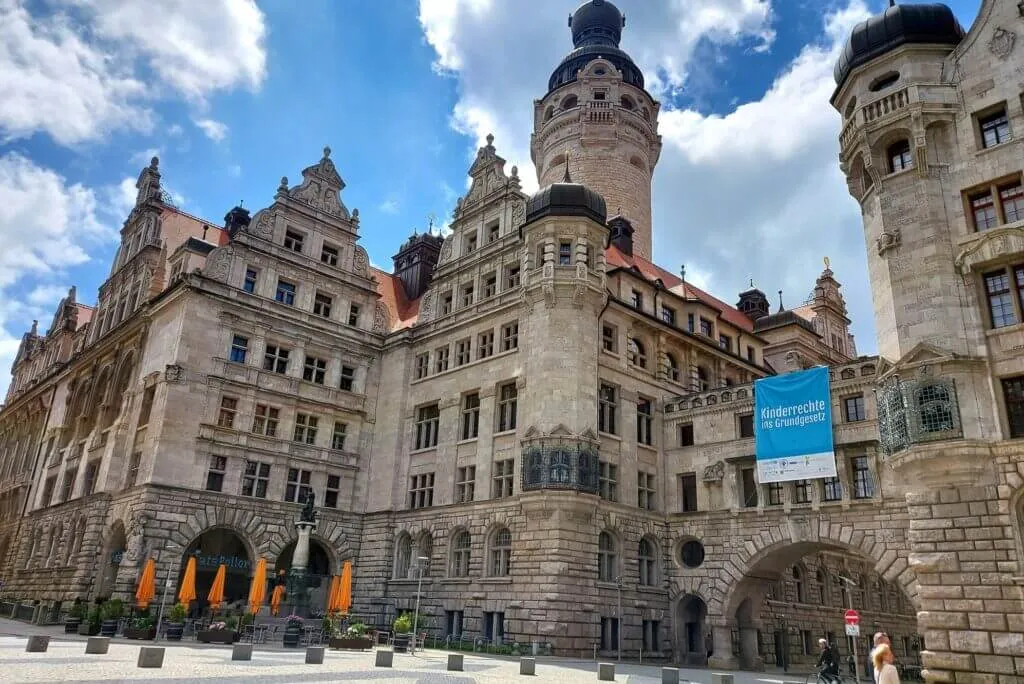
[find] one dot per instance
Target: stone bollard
(527, 666)
(97, 645)
(721, 678)
(241, 652)
(151, 656)
(37, 644)
(669, 675)
(455, 662)
(606, 672)
(384, 658)
(314, 655)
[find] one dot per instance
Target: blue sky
(233, 94)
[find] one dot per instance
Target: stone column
(722, 658)
(750, 658)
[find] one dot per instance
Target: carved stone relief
(360, 262)
(218, 264)
(1002, 42)
(714, 472)
(381, 319)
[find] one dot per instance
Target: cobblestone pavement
(66, 662)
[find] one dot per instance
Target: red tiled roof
(650, 271)
(84, 314)
(392, 294)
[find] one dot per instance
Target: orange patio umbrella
(332, 595)
(275, 599)
(345, 591)
(187, 593)
(216, 595)
(147, 585)
(258, 589)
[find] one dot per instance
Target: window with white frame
(510, 336)
(465, 484)
(645, 490)
(501, 552)
(648, 562)
(608, 481)
(322, 304)
(607, 558)
(644, 421)
(462, 544)
(421, 490)
(427, 418)
(441, 359)
(314, 370)
(226, 413)
(470, 416)
(338, 435)
(306, 427)
(508, 403)
(275, 359)
(264, 420)
(502, 478)
(256, 479)
(485, 344)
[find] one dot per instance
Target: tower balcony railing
(933, 97)
(917, 411)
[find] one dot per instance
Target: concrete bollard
(97, 645)
(241, 652)
(527, 666)
(606, 672)
(669, 675)
(455, 662)
(37, 644)
(721, 678)
(384, 658)
(314, 655)
(151, 656)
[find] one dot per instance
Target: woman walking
(885, 671)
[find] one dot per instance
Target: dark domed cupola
(566, 199)
(931, 24)
(596, 30)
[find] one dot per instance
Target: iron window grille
(916, 411)
(560, 465)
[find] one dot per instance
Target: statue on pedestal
(298, 583)
(308, 511)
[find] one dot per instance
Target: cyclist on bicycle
(828, 664)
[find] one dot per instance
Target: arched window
(672, 367)
(933, 404)
(648, 563)
(424, 549)
(899, 156)
(460, 554)
(501, 552)
(627, 102)
(637, 353)
(798, 583)
(548, 113)
(822, 580)
(703, 379)
(403, 556)
(569, 102)
(607, 558)
(851, 107)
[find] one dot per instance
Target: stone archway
(319, 570)
(215, 547)
(691, 630)
(114, 546)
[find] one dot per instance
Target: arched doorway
(691, 619)
(213, 548)
(110, 560)
(318, 571)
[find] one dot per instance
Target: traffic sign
(852, 630)
(852, 617)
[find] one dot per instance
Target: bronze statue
(308, 513)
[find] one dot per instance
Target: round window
(692, 554)
(599, 71)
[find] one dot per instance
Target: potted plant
(141, 627)
(78, 612)
(354, 637)
(293, 631)
(175, 622)
(91, 625)
(218, 633)
(110, 612)
(403, 628)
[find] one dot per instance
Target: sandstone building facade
(550, 431)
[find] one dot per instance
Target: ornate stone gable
(488, 174)
(320, 188)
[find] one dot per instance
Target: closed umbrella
(258, 590)
(216, 595)
(187, 593)
(275, 599)
(345, 599)
(147, 585)
(332, 595)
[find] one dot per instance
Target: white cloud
(214, 130)
(92, 66)
(47, 295)
(755, 193)
(234, 170)
(389, 206)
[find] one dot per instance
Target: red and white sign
(852, 617)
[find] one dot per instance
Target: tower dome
(596, 30)
(566, 199)
(898, 25)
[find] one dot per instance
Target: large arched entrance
(691, 623)
(110, 560)
(213, 548)
(318, 571)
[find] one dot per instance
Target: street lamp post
(618, 634)
(167, 587)
(420, 560)
(847, 582)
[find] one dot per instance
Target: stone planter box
(352, 643)
(108, 628)
(86, 629)
(139, 633)
(71, 625)
(218, 636)
(291, 637)
(401, 643)
(174, 630)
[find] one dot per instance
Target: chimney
(415, 263)
(621, 234)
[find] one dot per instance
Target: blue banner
(793, 427)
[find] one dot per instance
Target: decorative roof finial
(892, 3)
(781, 308)
(430, 223)
(827, 264)
(567, 178)
(327, 151)
(751, 283)
(490, 139)
(682, 275)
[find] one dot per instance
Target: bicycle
(817, 677)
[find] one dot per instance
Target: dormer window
(293, 240)
(599, 95)
(470, 243)
(565, 254)
(900, 158)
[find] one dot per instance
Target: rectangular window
(609, 634)
(215, 473)
(463, 352)
(329, 255)
(984, 211)
(606, 410)
(130, 478)
(503, 479)
(637, 300)
(510, 336)
(322, 305)
(725, 342)
(256, 479)
(453, 623)
(853, 408)
(471, 416)
(493, 230)
(239, 349)
(446, 303)
(348, 378)
(644, 421)
(285, 292)
(564, 254)
(331, 492)
(689, 322)
(465, 484)
(422, 365)
(668, 315)
(314, 370)
(645, 490)
(807, 641)
(227, 411)
(441, 355)
(485, 344)
(264, 420)
(608, 481)
(1012, 199)
(421, 490)
(705, 327)
(297, 488)
(494, 627)
(1000, 299)
(293, 240)
(863, 485)
(774, 493)
(688, 492)
(652, 636)
(427, 418)
(748, 488)
(609, 337)
(51, 483)
(750, 354)
(467, 295)
(306, 427)
(470, 242)
(508, 406)
(802, 491)
(900, 158)
(338, 435)
(1013, 395)
(995, 129)
(67, 485)
(250, 280)
(511, 277)
(353, 315)
(275, 359)
(490, 286)
(92, 469)
(746, 425)
(686, 435)
(833, 489)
